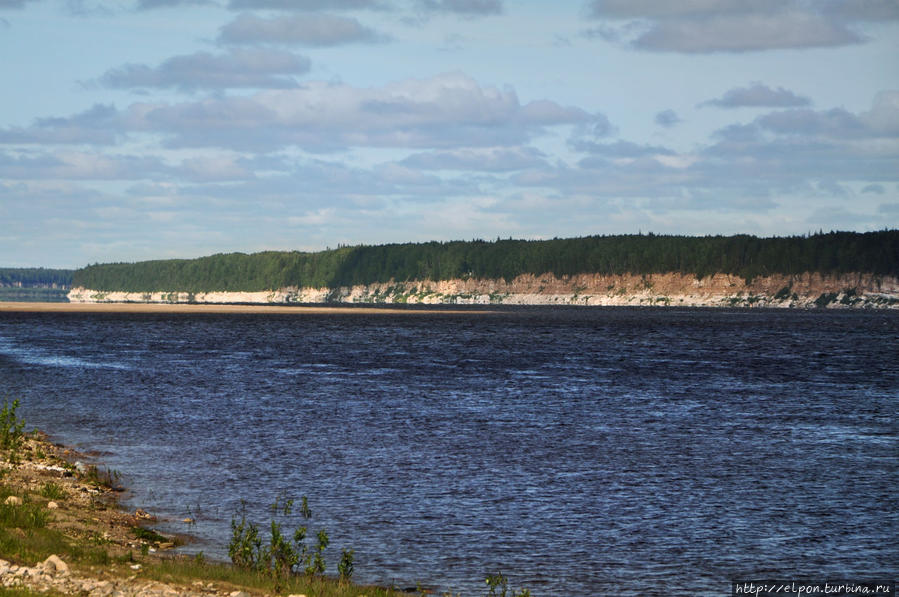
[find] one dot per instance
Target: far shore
(27, 307)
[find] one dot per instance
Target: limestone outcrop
(668, 289)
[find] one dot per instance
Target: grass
(25, 536)
(149, 535)
(53, 491)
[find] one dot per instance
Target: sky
(149, 129)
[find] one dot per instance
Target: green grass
(25, 538)
(53, 491)
(149, 535)
(105, 479)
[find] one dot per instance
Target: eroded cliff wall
(671, 289)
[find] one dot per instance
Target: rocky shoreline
(54, 575)
(844, 291)
(80, 506)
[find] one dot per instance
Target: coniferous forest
(742, 255)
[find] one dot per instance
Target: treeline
(35, 277)
(41, 295)
(742, 255)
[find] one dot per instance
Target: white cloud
(8, 4)
(307, 5)
(467, 8)
(99, 125)
(151, 4)
(758, 95)
(667, 118)
(240, 67)
(68, 164)
(450, 110)
(315, 30)
(746, 34)
(702, 26)
(493, 159)
(883, 117)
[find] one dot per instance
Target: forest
(743, 255)
(35, 277)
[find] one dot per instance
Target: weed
(345, 567)
(148, 535)
(280, 557)
(107, 478)
(498, 582)
(23, 516)
(245, 546)
(11, 430)
(53, 491)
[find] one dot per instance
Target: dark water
(578, 451)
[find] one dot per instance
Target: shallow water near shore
(577, 451)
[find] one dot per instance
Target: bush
(281, 556)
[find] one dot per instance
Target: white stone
(52, 506)
(13, 501)
(55, 565)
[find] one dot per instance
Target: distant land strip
(836, 269)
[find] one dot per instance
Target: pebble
(52, 506)
(13, 500)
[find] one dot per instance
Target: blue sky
(143, 129)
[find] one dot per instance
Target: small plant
(345, 566)
(11, 430)
(23, 516)
(148, 535)
(53, 491)
(498, 582)
(317, 564)
(245, 546)
(107, 478)
(281, 556)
